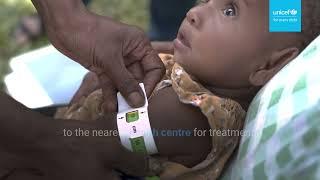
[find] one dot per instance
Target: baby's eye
(230, 10)
(202, 1)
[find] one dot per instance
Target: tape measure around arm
(134, 127)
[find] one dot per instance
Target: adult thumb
(128, 87)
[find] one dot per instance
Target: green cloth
(283, 125)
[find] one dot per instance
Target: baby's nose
(193, 18)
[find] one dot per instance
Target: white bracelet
(134, 127)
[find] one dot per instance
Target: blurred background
(135, 12)
(21, 29)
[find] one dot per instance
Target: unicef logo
(289, 12)
(285, 15)
(294, 12)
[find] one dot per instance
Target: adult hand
(34, 146)
(95, 157)
(109, 49)
(90, 81)
(82, 155)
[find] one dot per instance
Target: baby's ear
(272, 65)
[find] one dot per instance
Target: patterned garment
(224, 115)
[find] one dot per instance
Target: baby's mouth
(183, 39)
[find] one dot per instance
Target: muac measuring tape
(134, 126)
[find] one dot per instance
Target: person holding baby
(209, 83)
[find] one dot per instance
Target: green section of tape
(132, 116)
(138, 145)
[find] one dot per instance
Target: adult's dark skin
(33, 146)
(116, 52)
(91, 83)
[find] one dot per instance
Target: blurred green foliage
(10, 11)
(133, 12)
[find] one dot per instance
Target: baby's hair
(310, 21)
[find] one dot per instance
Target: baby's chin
(180, 60)
(184, 60)
(178, 57)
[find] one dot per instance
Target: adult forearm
(19, 126)
(28, 138)
(58, 12)
(37, 146)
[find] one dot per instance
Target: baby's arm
(167, 113)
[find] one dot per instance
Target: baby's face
(220, 42)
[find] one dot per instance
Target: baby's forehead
(255, 4)
(252, 2)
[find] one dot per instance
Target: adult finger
(89, 84)
(140, 50)
(109, 92)
(137, 72)
(153, 71)
(128, 86)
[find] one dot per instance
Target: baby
(223, 54)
